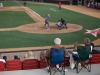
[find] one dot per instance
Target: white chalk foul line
(52, 9)
(30, 12)
(36, 13)
(35, 16)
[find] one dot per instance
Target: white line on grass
(19, 4)
(36, 13)
(30, 12)
(52, 9)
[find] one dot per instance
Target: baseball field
(22, 27)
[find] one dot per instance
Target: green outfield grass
(9, 19)
(9, 3)
(15, 39)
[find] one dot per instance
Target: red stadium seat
(13, 65)
(30, 64)
(95, 59)
(67, 61)
(42, 63)
(2, 66)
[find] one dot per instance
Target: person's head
(30, 53)
(92, 44)
(42, 52)
(48, 15)
(16, 57)
(87, 41)
(57, 41)
(25, 56)
(5, 58)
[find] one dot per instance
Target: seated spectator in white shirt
(71, 60)
(5, 58)
(2, 60)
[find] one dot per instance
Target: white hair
(57, 41)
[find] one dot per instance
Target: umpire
(63, 24)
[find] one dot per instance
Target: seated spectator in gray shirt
(93, 49)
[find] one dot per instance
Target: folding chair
(83, 56)
(57, 57)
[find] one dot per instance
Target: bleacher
(35, 66)
(25, 64)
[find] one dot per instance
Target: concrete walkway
(95, 71)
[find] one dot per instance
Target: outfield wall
(68, 2)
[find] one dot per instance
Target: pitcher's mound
(41, 29)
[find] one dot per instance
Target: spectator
(86, 43)
(5, 58)
(26, 56)
(2, 60)
(29, 55)
(93, 49)
(96, 4)
(16, 57)
(42, 55)
(57, 45)
(72, 62)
